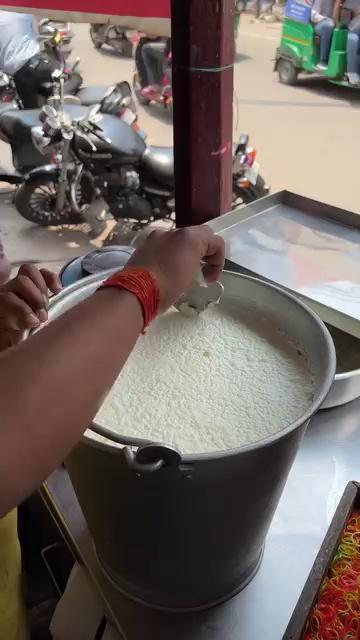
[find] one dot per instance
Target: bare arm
(52, 385)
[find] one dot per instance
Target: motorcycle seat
(17, 122)
(91, 95)
(160, 162)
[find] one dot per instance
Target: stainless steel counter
(328, 458)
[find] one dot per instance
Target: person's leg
(26, 88)
(140, 66)
(158, 54)
(353, 51)
(324, 29)
(149, 63)
(30, 77)
(42, 74)
(153, 55)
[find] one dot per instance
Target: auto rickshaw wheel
(287, 71)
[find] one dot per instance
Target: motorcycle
(46, 30)
(16, 123)
(52, 43)
(74, 91)
(164, 96)
(112, 35)
(55, 38)
(100, 157)
(85, 96)
(73, 87)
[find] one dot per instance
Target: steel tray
(311, 248)
(349, 502)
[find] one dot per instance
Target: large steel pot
(188, 531)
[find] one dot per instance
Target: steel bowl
(346, 385)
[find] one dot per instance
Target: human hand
(5, 267)
(174, 257)
(24, 302)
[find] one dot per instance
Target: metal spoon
(199, 297)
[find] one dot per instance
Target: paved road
(307, 136)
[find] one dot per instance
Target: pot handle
(151, 457)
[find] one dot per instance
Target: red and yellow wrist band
(143, 285)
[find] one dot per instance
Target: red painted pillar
(202, 59)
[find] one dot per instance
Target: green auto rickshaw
(299, 50)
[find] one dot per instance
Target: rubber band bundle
(336, 614)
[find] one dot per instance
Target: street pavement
(307, 136)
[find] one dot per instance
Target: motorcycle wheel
(252, 192)
(96, 42)
(36, 200)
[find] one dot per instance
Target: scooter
(112, 35)
(165, 95)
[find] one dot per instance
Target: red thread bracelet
(143, 285)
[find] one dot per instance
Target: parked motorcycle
(73, 80)
(102, 157)
(73, 87)
(53, 41)
(74, 92)
(112, 35)
(55, 38)
(16, 123)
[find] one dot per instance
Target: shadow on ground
(111, 53)
(240, 57)
(159, 112)
(321, 86)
